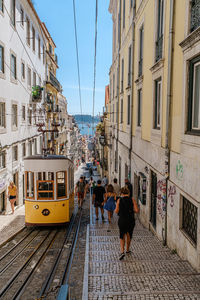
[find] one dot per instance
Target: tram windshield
(29, 179)
(45, 189)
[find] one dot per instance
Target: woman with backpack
(125, 208)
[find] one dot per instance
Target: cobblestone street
(151, 271)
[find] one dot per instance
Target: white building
(22, 65)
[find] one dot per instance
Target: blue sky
(60, 23)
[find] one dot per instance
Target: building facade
(22, 68)
(154, 115)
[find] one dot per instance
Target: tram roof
(47, 157)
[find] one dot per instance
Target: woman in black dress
(125, 210)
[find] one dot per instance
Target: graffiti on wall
(161, 198)
(179, 170)
(171, 194)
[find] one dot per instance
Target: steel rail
(22, 288)
(18, 254)
(47, 283)
(8, 252)
(10, 282)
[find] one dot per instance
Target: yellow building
(155, 115)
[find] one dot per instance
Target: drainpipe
(132, 83)
(168, 111)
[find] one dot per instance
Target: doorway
(153, 198)
(16, 182)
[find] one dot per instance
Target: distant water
(85, 130)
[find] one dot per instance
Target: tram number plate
(45, 212)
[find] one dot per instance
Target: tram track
(39, 261)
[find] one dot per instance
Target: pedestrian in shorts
(80, 191)
(98, 199)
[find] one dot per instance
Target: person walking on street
(80, 191)
(129, 186)
(125, 208)
(109, 201)
(116, 187)
(12, 195)
(98, 199)
(92, 184)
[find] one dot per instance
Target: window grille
(14, 115)
(1, 59)
(15, 153)
(195, 14)
(2, 115)
(190, 219)
(13, 66)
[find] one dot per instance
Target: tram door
(153, 199)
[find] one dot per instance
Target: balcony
(195, 15)
(54, 81)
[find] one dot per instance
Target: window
(29, 116)
(117, 119)
(131, 3)
(195, 15)
(15, 153)
(159, 39)
(116, 161)
(39, 54)
(157, 104)
(129, 66)
(121, 110)
(122, 79)
(113, 85)
(1, 6)
(141, 36)
(2, 201)
(189, 219)
(119, 24)
(13, 66)
(35, 146)
(23, 70)
(28, 31)
(14, 115)
(61, 184)
(50, 49)
(29, 77)
(142, 187)
(1, 59)
(43, 54)
(194, 96)
(22, 16)
(12, 13)
(40, 81)
(129, 110)
(23, 112)
(34, 78)
(29, 184)
(2, 160)
(45, 189)
(30, 147)
(139, 112)
(2, 115)
(113, 114)
(124, 13)
(33, 38)
(23, 149)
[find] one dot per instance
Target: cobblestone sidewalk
(151, 271)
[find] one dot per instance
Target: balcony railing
(159, 47)
(54, 81)
(195, 15)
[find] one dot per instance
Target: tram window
(39, 176)
(50, 176)
(29, 184)
(45, 189)
(61, 184)
(69, 180)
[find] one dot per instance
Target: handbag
(135, 206)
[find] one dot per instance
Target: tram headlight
(36, 206)
(45, 212)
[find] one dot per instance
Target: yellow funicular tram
(49, 190)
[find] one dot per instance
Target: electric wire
(95, 55)
(77, 58)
